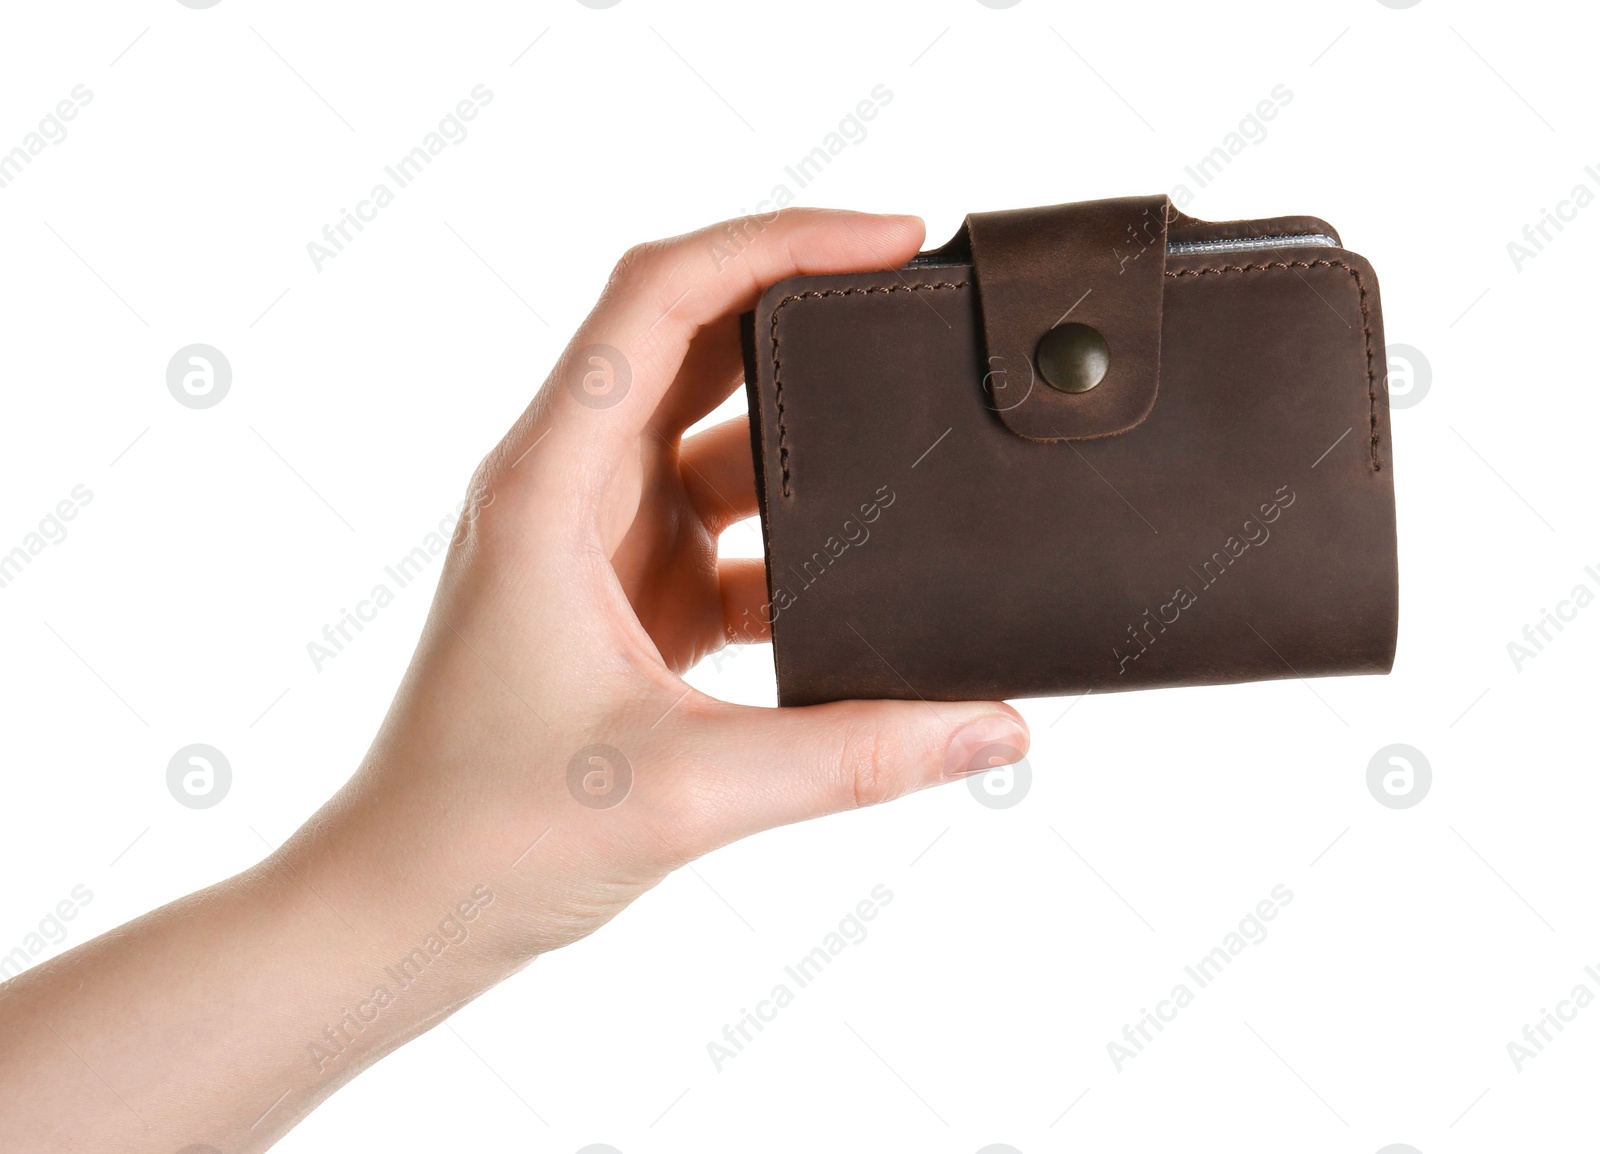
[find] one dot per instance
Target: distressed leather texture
(1099, 264)
(1219, 509)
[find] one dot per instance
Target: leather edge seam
(777, 371)
(1366, 324)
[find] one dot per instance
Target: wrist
(416, 935)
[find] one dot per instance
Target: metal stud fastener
(1073, 358)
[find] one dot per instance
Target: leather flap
(1099, 264)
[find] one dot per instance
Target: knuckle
(485, 477)
(467, 533)
(868, 766)
(653, 273)
(641, 262)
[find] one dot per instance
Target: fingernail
(991, 740)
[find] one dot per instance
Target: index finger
(626, 354)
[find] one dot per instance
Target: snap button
(1073, 357)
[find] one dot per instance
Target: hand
(586, 579)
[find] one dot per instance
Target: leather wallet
(1080, 448)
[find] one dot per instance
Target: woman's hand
(585, 579)
(542, 765)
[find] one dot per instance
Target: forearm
(227, 1016)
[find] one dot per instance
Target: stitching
(815, 294)
(777, 370)
(1366, 324)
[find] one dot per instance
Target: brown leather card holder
(1080, 448)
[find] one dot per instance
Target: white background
(1019, 941)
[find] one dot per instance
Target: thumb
(788, 765)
